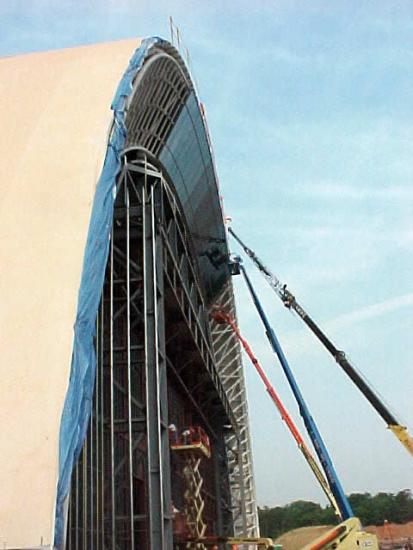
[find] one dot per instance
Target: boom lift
(348, 535)
(345, 536)
(223, 317)
(343, 504)
(291, 303)
(194, 444)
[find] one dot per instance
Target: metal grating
(159, 96)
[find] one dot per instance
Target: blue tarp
(79, 396)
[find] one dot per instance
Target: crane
(223, 317)
(343, 504)
(291, 303)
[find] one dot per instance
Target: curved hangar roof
(56, 108)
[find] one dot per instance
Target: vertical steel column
(160, 525)
(216, 455)
(102, 426)
(69, 525)
(77, 507)
(102, 423)
(241, 474)
(91, 478)
(157, 214)
(111, 377)
(84, 494)
(128, 336)
(96, 406)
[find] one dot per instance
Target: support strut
(221, 316)
(320, 448)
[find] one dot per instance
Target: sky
(310, 110)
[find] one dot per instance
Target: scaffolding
(151, 306)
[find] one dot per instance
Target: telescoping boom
(223, 317)
(342, 501)
(290, 302)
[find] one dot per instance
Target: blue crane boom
(291, 303)
(319, 446)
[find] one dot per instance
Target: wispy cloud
(339, 191)
(371, 311)
(298, 342)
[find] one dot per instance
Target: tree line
(371, 509)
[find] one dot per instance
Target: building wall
(55, 112)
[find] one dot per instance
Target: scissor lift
(194, 444)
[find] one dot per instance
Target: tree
(404, 505)
(372, 510)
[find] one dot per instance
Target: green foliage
(301, 513)
(372, 510)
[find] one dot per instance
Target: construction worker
(186, 434)
(173, 434)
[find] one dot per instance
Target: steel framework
(127, 436)
(157, 363)
(229, 363)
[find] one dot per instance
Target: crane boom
(344, 505)
(291, 303)
(221, 317)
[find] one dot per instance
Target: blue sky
(310, 108)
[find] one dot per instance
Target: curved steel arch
(162, 115)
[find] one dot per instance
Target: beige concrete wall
(55, 114)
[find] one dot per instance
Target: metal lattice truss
(149, 121)
(229, 363)
(164, 85)
(126, 454)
